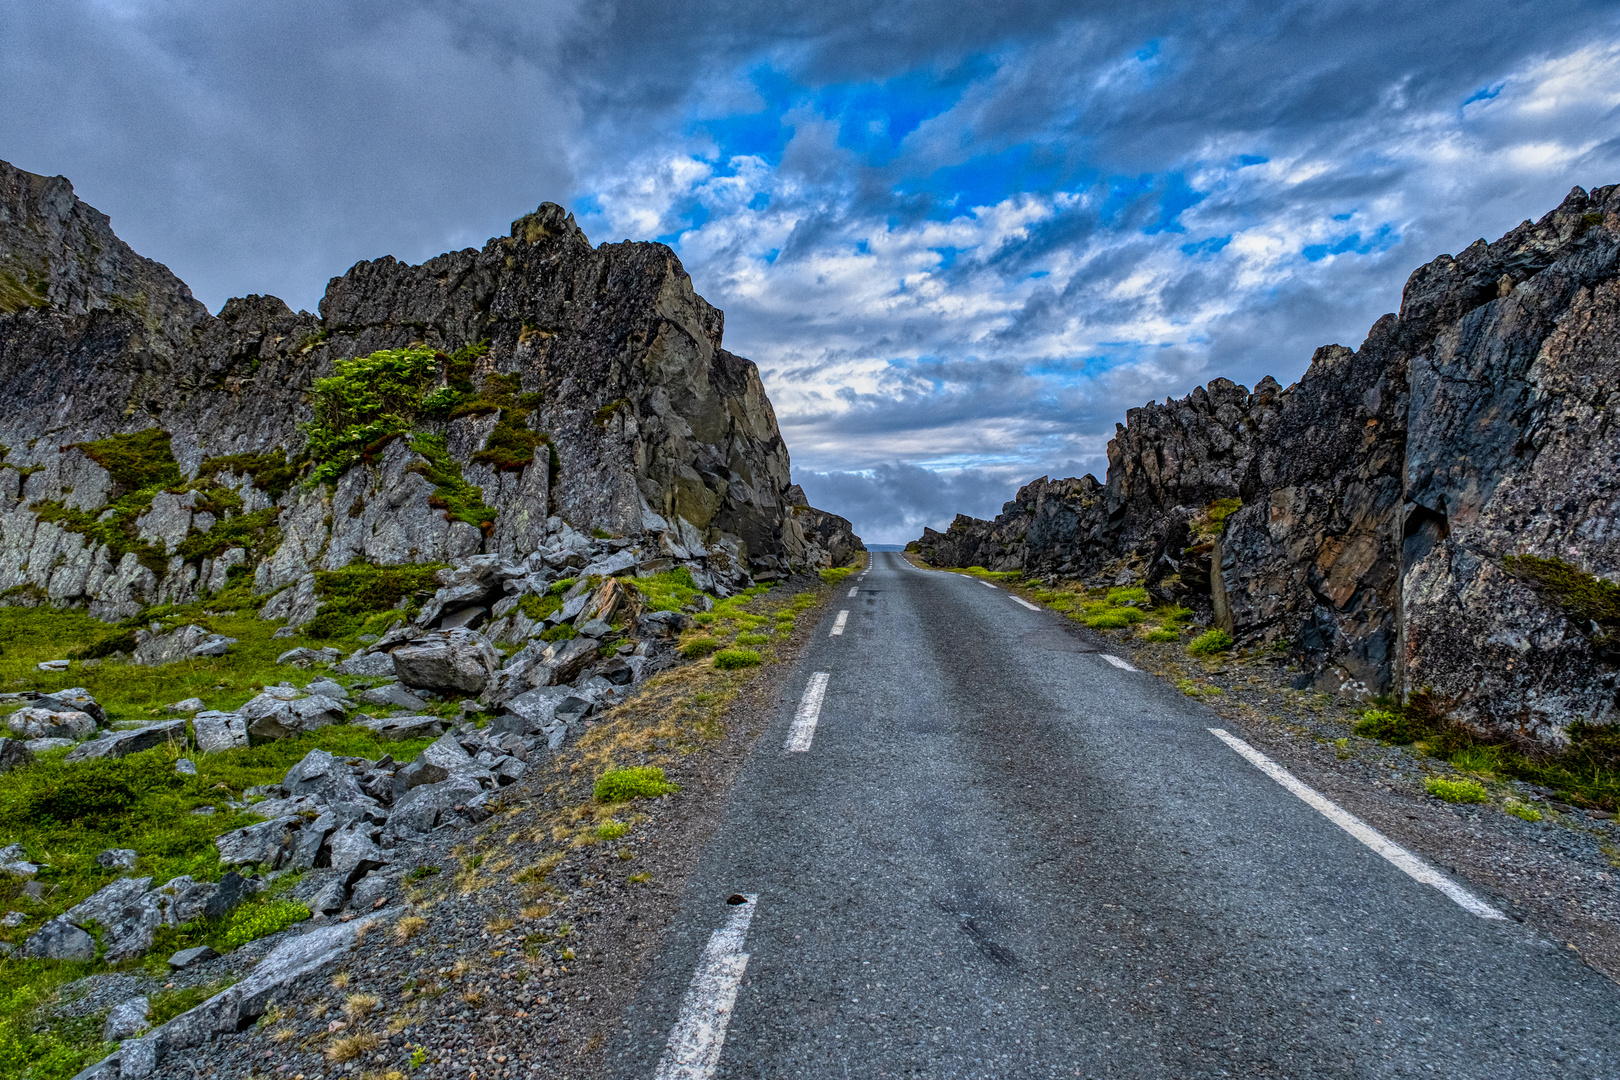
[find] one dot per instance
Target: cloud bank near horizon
(960, 239)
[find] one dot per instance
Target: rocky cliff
(1434, 510)
(477, 403)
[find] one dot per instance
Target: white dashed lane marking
(1026, 603)
(855, 590)
(700, 1031)
(838, 624)
(804, 721)
(1406, 861)
(1117, 662)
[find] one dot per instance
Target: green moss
(604, 415)
(732, 659)
(1211, 521)
(1210, 642)
(622, 785)
(1133, 596)
(459, 500)
(252, 922)
(837, 574)
(1584, 596)
(1387, 725)
(1162, 634)
(753, 639)
(272, 473)
(359, 591)
(256, 532)
(539, 608)
(144, 459)
(560, 632)
(671, 590)
(511, 445)
(18, 294)
(1456, 791)
(699, 647)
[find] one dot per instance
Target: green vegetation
(753, 639)
(671, 590)
(251, 922)
(1520, 809)
(1134, 596)
(604, 415)
(1162, 634)
(272, 473)
(17, 294)
(611, 830)
(459, 500)
(539, 608)
(560, 632)
(1586, 772)
(1456, 791)
(731, 659)
(363, 597)
(837, 574)
(699, 647)
(1212, 521)
(1210, 642)
(1585, 597)
(141, 465)
(622, 785)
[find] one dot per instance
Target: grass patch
(732, 659)
(1456, 791)
(261, 920)
(638, 782)
(1386, 725)
(1583, 596)
(699, 647)
(836, 575)
(1210, 642)
(753, 639)
(1521, 810)
(459, 500)
(672, 590)
(354, 597)
(612, 830)
(1162, 633)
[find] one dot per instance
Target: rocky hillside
(479, 403)
(1435, 510)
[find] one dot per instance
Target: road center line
(700, 1032)
(1026, 603)
(855, 590)
(1117, 662)
(838, 624)
(1419, 870)
(804, 721)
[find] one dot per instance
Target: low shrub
(1385, 725)
(836, 574)
(1162, 634)
(261, 920)
(698, 648)
(1135, 595)
(611, 830)
(753, 639)
(1522, 810)
(1455, 791)
(732, 659)
(1108, 620)
(641, 781)
(1210, 642)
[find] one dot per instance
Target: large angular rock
(403, 727)
(395, 696)
(14, 861)
(269, 842)
(13, 754)
(272, 717)
(322, 775)
(304, 657)
(126, 1020)
(423, 808)
(128, 914)
(370, 664)
(74, 699)
(37, 723)
(117, 744)
(216, 731)
(152, 649)
(459, 660)
(353, 851)
(59, 939)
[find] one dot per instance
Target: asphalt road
(1003, 856)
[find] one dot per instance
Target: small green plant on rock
(637, 782)
(1521, 810)
(1456, 791)
(732, 659)
(261, 920)
(1210, 642)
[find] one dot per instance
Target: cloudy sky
(959, 237)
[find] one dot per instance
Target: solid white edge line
(1117, 662)
(1026, 603)
(1404, 860)
(699, 1033)
(838, 624)
(804, 721)
(987, 585)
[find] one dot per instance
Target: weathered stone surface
(117, 744)
(74, 699)
(59, 939)
(371, 664)
(37, 723)
(189, 705)
(215, 731)
(460, 660)
(181, 644)
(187, 957)
(403, 727)
(126, 1020)
(263, 842)
(14, 861)
(354, 851)
(117, 859)
(13, 754)
(394, 696)
(322, 775)
(422, 808)
(1388, 496)
(666, 624)
(271, 716)
(128, 914)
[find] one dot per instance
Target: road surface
(998, 853)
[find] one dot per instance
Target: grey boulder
(187, 957)
(59, 939)
(38, 723)
(395, 696)
(216, 731)
(265, 842)
(422, 808)
(73, 699)
(322, 775)
(354, 851)
(116, 859)
(13, 754)
(372, 664)
(403, 727)
(127, 913)
(126, 1020)
(119, 744)
(447, 660)
(305, 657)
(14, 861)
(273, 717)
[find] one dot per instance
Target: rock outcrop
(154, 453)
(1435, 510)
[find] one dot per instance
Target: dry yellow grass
(358, 1006)
(340, 980)
(352, 1046)
(535, 911)
(500, 925)
(283, 1035)
(408, 927)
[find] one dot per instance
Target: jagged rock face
(1387, 495)
(655, 427)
